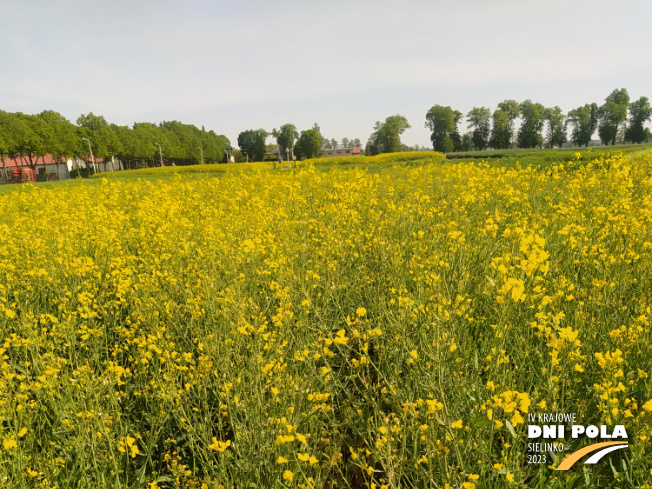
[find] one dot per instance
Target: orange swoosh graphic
(575, 456)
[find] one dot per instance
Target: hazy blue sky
(248, 64)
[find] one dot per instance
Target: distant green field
(543, 157)
(381, 158)
(373, 164)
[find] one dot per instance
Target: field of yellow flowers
(325, 329)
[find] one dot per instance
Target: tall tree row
(290, 141)
(616, 120)
(29, 138)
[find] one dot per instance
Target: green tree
(456, 138)
(479, 119)
(174, 151)
(386, 137)
(390, 133)
(373, 144)
(583, 121)
(285, 138)
(33, 138)
(104, 141)
(639, 113)
(145, 135)
(124, 134)
(533, 119)
(513, 110)
(5, 134)
(213, 145)
(500, 133)
(184, 140)
(252, 142)
(351, 143)
(14, 130)
(187, 141)
(309, 144)
(323, 140)
(467, 142)
(442, 122)
(6, 141)
(612, 114)
(556, 126)
(64, 141)
(4, 137)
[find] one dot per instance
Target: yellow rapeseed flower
(218, 445)
(9, 443)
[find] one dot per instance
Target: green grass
(511, 158)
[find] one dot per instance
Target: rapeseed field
(320, 329)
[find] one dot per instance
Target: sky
(249, 64)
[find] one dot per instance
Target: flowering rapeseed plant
(314, 328)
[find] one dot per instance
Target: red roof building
(355, 151)
(47, 168)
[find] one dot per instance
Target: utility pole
(202, 154)
(90, 150)
(160, 153)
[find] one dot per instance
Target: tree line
(512, 124)
(289, 143)
(29, 138)
(497, 130)
(310, 143)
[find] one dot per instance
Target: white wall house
(47, 168)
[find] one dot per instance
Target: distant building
(355, 151)
(47, 168)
